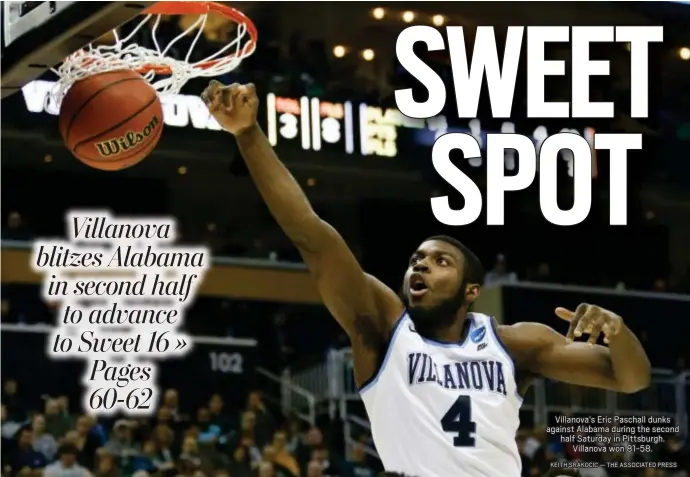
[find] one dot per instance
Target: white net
(123, 54)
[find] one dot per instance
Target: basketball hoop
(167, 75)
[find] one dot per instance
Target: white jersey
(445, 409)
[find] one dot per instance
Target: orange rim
(202, 8)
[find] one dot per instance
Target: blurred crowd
(539, 452)
(254, 441)
(211, 441)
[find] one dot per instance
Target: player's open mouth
(417, 285)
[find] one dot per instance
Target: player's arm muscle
(542, 350)
(363, 306)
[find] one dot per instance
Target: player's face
(434, 289)
(434, 274)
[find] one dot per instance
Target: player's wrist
(247, 131)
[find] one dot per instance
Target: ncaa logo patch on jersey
(478, 335)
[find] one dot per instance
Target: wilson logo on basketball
(116, 145)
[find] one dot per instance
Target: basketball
(111, 121)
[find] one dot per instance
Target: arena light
(438, 20)
(408, 16)
(339, 51)
(368, 54)
(378, 13)
(684, 53)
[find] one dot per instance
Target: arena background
(265, 348)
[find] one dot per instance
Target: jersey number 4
(458, 419)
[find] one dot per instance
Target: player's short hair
(473, 268)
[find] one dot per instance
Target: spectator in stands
(240, 465)
(542, 273)
(87, 441)
(190, 461)
(7, 311)
(58, 421)
(499, 273)
(208, 433)
(66, 465)
(164, 417)
(121, 446)
(11, 400)
(43, 442)
(356, 465)
(146, 459)
(217, 415)
(264, 422)
(283, 458)
(16, 229)
(322, 456)
(24, 455)
(9, 425)
(269, 455)
(294, 432)
(315, 469)
(266, 470)
(163, 438)
(106, 465)
(312, 440)
(248, 442)
(171, 402)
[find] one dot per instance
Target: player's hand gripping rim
(591, 320)
(234, 106)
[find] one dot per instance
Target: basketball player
(442, 386)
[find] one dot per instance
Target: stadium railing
(291, 398)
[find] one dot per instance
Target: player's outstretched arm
(621, 366)
(363, 306)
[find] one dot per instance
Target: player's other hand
(591, 320)
(234, 106)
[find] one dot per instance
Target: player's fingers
(564, 313)
(597, 325)
(611, 328)
(212, 87)
(574, 321)
(215, 84)
(607, 330)
(209, 99)
(615, 326)
(580, 320)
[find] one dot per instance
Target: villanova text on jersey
(479, 375)
(440, 409)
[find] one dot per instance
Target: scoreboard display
(314, 124)
(311, 122)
